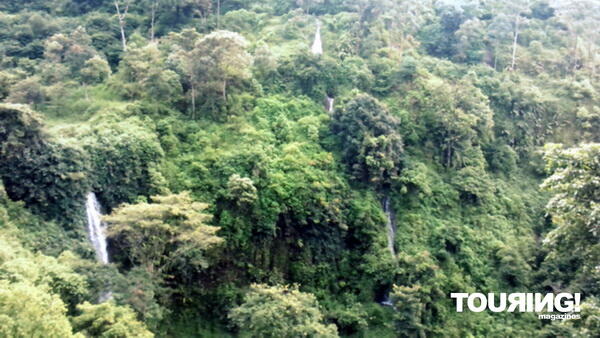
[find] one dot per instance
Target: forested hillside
(296, 168)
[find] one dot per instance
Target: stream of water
(96, 228)
(390, 224)
(317, 47)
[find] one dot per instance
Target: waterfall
(96, 228)
(390, 225)
(329, 104)
(97, 233)
(386, 300)
(317, 48)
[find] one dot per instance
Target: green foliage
(575, 210)
(5, 83)
(143, 291)
(54, 275)
(168, 229)
(95, 70)
(46, 175)
(27, 91)
(241, 189)
(587, 326)
(457, 117)
(502, 158)
(371, 145)
(280, 311)
(311, 75)
(574, 183)
(73, 50)
(49, 287)
(47, 271)
(224, 62)
(124, 158)
(455, 100)
(109, 320)
(143, 74)
(44, 315)
(473, 183)
(409, 310)
(350, 317)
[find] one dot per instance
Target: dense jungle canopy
(296, 168)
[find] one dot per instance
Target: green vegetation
(461, 154)
(172, 228)
(280, 311)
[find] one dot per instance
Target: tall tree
(153, 9)
(221, 61)
(574, 181)
(122, 11)
(280, 311)
(143, 73)
(581, 18)
(575, 210)
(408, 16)
(372, 146)
(44, 315)
(409, 310)
(109, 320)
(511, 15)
(182, 60)
(167, 229)
(459, 118)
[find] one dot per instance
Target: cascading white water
(96, 228)
(390, 226)
(317, 47)
(329, 104)
(387, 301)
(97, 234)
(391, 238)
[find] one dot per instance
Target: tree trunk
(514, 49)
(575, 53)
(592, 62)
(121, 17)
(193, 101)
(154, 6)
(218, 13)
(123, 39)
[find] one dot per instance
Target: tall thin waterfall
(390, 225)
(317, 47)
(329, 104)
(96, 228)
(391, 238)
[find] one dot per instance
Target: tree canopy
(248, 186)
(280, 311)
